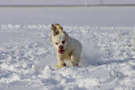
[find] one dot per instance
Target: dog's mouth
(61, 51)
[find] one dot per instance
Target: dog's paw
(60, 65)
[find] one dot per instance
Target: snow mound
(27, 59)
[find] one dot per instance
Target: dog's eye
(63, 42)
(56, 43)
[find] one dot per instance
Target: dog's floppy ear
(53, 29)
(59, 28)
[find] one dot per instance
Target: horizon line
(87, 5)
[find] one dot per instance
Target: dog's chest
(68, 54)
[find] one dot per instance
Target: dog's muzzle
(61, 49)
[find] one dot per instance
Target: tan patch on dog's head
(59, 28)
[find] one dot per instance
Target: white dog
(65, 46)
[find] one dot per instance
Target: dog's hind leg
(75, 60)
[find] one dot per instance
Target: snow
(27, 59)
(27, 56)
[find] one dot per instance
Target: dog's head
(59, 38)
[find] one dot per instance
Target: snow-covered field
(27, 57)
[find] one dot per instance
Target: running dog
(65, 46)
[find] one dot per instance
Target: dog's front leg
(61, 63)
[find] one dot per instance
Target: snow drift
(27, 59)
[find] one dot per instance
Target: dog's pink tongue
(62, 51)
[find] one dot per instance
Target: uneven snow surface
(27, 59)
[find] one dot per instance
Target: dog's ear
(53, 29)
(59, 28)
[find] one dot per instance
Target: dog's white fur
(65, 46)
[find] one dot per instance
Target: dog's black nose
(61, 47)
